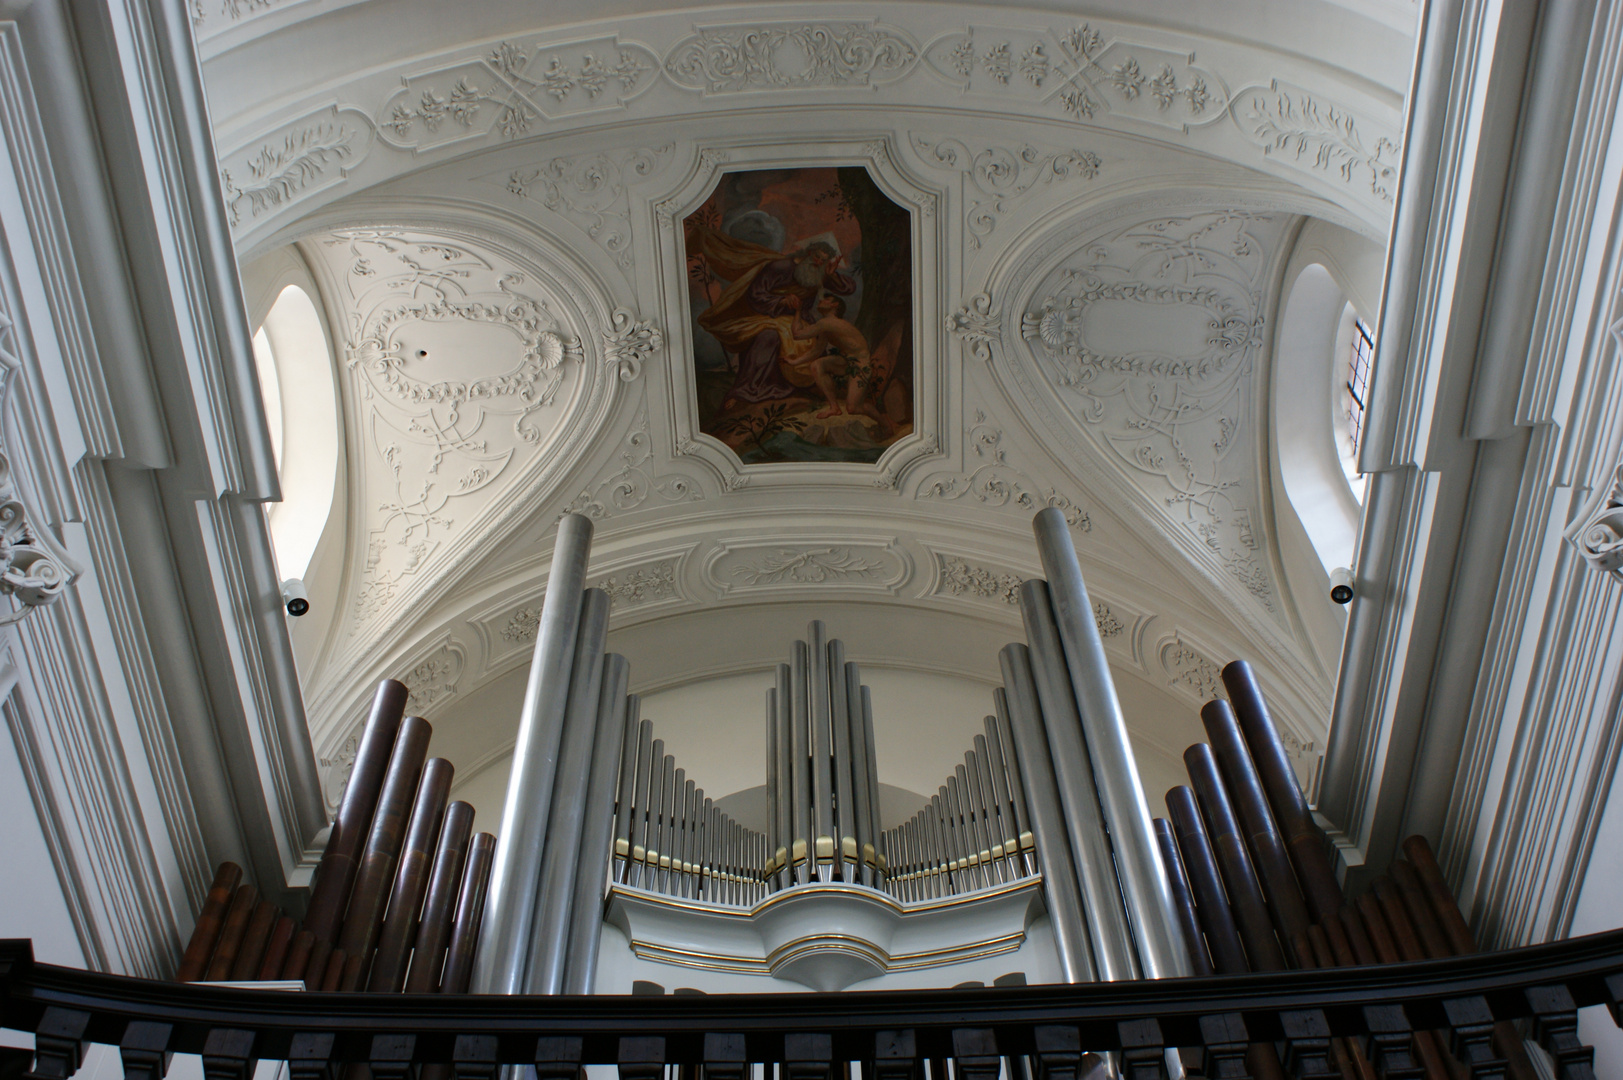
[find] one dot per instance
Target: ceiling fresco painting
(800, 281)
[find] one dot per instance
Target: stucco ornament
(1601, 540)
(1149, 336)
(34, 569)
(458, 367)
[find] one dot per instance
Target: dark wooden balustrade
(1048, 1029)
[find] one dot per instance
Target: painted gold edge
(815, 942)
(664, 900)
(1011, 946)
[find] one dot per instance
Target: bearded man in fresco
(754, 316)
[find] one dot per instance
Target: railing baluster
(144, 1049)
(895, 1056)
(557, 1057)
(808, 1056)
(1390, 1044)
(1555, 1026)
(309, 1056)
(641, 1057)
(724, 1057)
(228, 1054)
(1143, 1049)
(1471, 1019)
(59, 1043)
(473, 1057)
(1059, 1051)
(975, 1053)
(1307, 1043)
(392, 1057)
(1226, 1042)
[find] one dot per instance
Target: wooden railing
(1046, 1031)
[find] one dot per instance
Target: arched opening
(295, 379)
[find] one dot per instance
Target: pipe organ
(1045, 815)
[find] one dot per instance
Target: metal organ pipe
(504, 952)
(1036, 771)
(1091, 851)
(615, 742)
(1161, 947)
(561, 857)
(846, 852)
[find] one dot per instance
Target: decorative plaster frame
(878, 155)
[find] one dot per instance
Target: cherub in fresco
(841, 352)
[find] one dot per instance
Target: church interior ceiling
(809, 308)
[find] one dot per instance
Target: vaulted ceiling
(487, 200)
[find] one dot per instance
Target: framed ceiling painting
(804, 315)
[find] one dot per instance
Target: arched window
(296, 382)
(1320, 377)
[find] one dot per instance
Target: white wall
(1600, 907)
(32, 904)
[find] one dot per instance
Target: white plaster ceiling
(487, 199)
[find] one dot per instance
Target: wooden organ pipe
(439, 906)
(206, 932)
(281, 939)
(470, 913)
(1205, 883)
(400, 923)
(1239, 878)
(366, 904)
(255, 941)
(1182, 900)
(231, 933)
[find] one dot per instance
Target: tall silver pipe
(1034, 765)
(968, 862)
(1162, 948)
(805, 834)
(910, 860)
(628, 780)
(772, 767)
(861, 755)
(980, 783)
(1108, 927)
(560, 860)
(822, 748)
(786, 773)
(690, 810)
(652, 822)
(949, 830)
(701, 861)
(998, 767)
(1017, 790)
(670, 799)
(647, 765)
(504, 935)
(875, 807)
(615, 741)
(938, 858)
(846, 852)
(1005, 846)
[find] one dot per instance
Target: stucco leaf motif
(978, 324)
(629, 343)
(1189, 669)
(814, 566)
(641, 584)
(434, 679)
(790, 56)
(34, 569)
(1321, 136)
(590, 190)
(959, 578)
(999, 178)
(280, 171)
(633, 482)
(996, 483)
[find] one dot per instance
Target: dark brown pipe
(334, 972)
(1251, 804)
(1303, 838)
(281, 937)
(206, 933)
(1211, 904)
(1380, 935)
(298, 956)
(1182, 902)
(428, 956)
(1323, 955)
(1420, 913)
(350, 977)
(1239, 879)
(1357, 938)
(1441, 897)
(470, 912)
(315, 964)
(231, 934)
(383, 846)
(254, 941)
(335, 876)
(1397, 919)
(411, 879)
